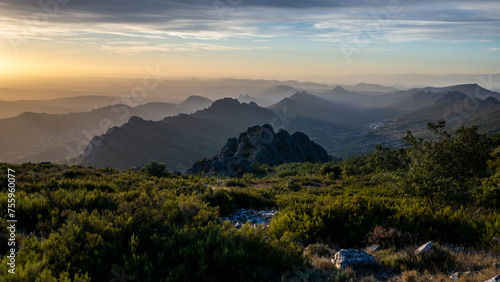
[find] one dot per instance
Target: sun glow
(10, 65)
(4, 65)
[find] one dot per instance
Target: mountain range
(343, 130)
(38, 137)
(343, 121)
(177, 141)
(55, 106)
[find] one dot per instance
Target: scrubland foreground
(149, 224)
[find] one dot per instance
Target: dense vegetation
(85, 224)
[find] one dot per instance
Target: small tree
(156, 169)
(331, 169)
(443, 168)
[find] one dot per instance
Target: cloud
(127, 49)
(221, 20)
(127, 42)
(493, 49)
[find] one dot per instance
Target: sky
(292, 39)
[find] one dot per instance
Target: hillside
(341, 129)
(369, 88)
(178, 141)
(277, 93)
(181, 140)
(275, 223)
(454, 107)
(53, 137)
(418, 98)
(344, 96)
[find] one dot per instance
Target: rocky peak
(261, 144)
(244, 96)
(283, 87)
(195, 100)
(224, 103)
(301, 95)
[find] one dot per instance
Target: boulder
(424, 248)
(374, 248)
(352, 257)
(494, 279)
(454, 275)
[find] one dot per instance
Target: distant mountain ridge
(419, 98)
(277, 93)
(340, 129)
(341, 95)
(178, 140)
(178, 134)
(369, 88)
(53, 137)
(55, 106)
(247, 99)
(193, 103)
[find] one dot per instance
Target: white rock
(374, 248)
(424, 248)
(494, 279)
(351, 257)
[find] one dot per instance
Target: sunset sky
(254, 39)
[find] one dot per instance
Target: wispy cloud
(134, 27)
(130, 49)
(127, 42)
(193, 19)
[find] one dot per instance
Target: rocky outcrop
(254, 217)
(353, 258)
(262, 145)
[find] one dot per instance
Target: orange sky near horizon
(287, 40)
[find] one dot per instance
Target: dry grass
(403, 266)
(414, 276)
(471, 266)
(319, 249)
(473, 260)
(322, 263)
(409, 276)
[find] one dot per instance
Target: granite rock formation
(262, 145)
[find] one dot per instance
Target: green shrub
(234, 182)
(156, 169)
(91, 223)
